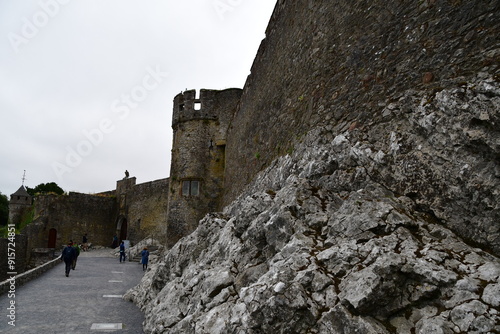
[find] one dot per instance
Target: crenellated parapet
(209, 105)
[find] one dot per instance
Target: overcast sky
(87, 85)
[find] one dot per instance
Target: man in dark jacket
(122, 251)
(68, 254)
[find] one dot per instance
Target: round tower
(198, 157)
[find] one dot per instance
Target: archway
(52, 238)
(123, 231)
(121, 228)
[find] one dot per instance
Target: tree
(45, 188)
(4, 209)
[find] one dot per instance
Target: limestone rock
(319, 243)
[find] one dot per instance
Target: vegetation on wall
(3, 232)
(26, 217)
(45, 188)
(4, 215)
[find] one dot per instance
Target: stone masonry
(346, 66)
(132, 211)
(198, 157)
(361, 182)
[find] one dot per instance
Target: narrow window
(181, 107)
(185, 188)
(191, 188)
(195, 188)
(197, 106)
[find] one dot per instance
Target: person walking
(145, 258)
(85, 241)
(67, 256)
(122, 251)
(114, 244)
(77, 253)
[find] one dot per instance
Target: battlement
(209, 104)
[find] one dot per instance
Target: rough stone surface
(134, 252)
(198, 155)
(362, 181)
(135, 209)
(145, 206)
(71, 216)
(21, 255)
(411, 84)
(317, 244)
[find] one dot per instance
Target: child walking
(145, 258)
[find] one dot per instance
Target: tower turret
(198, 156)
(19, 202)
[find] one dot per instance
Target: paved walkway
(88, 301)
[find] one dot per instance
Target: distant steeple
(21, 196)
(21, 192)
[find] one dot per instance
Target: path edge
(27, 276)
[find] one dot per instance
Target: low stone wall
(28, 275)
(21, 256)
(40, 256)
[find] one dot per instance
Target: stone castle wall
(341, 66)
(72, 216)
(19, 205)
(386, 116)
(142, 206)
(326, 67)
(147, 210)
(18, 210)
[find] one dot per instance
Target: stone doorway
(52, 238)
(121, 229)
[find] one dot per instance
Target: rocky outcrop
(357, 231)
(154, 246)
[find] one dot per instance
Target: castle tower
(19, 202)
(198, 157)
